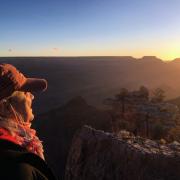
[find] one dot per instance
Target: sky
(90, 28)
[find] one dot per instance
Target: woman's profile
(21, 151)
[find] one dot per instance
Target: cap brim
(34, 85)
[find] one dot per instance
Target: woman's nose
(30, 95)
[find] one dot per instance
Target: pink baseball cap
(12, 80)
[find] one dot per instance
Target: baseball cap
(11, 79)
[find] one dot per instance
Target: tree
(144, 92)
(158, 130)
(147, 124)
(158, 95)
(121, 97)
(174, 134)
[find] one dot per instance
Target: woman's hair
(10, 107)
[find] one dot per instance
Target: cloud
(56, 49)
(10, 50)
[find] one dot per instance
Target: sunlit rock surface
(96, 155)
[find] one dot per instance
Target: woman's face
(24, 106)
(28, 103)
(18, 105)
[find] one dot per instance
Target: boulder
(96, 155)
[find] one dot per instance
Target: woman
(21, 151)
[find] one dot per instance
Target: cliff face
(57, 127)
(95, 155)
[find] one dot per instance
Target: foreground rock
(96, 155)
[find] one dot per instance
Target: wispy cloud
(56, 49)
(10, 50)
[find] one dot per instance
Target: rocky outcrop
(57, 127)
(96, 155)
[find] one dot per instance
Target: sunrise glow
(90, 28)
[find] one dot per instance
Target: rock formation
(96, 155)
(57, 127)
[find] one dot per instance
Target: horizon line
(84, 56)
(88, 57)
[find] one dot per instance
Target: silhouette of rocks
(98, 155)
(57, 127)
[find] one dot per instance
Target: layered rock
(96, 155)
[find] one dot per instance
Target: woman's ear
(5, 105)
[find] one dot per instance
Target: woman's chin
(32, 117)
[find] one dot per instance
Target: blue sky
(90, 27)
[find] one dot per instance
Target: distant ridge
(147, 58)
(150, 58)
(96, 78)
(177, 60)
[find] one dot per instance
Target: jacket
(16, 163)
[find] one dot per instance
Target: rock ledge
(96, 155)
